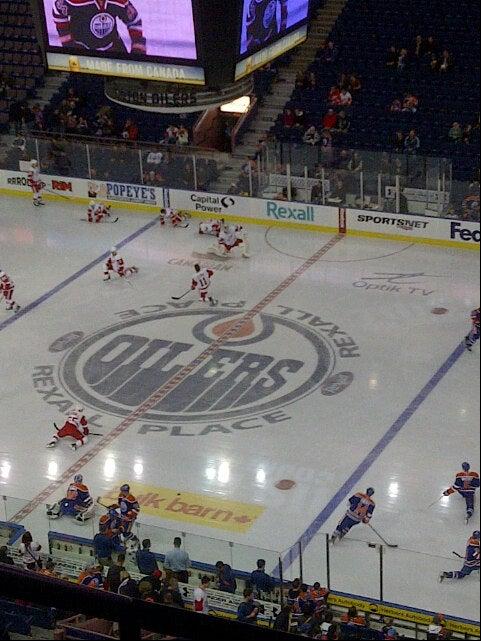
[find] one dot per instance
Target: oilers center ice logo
(273, 361)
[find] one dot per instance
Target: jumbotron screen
(126, 38)
(269, 29)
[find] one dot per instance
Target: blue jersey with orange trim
(361, 507)
(465, 483)
(129, 506)
(79, 494)
(471, 558)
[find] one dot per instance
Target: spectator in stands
(334, 632)
(38, 117)
(352, 617)
(326, 624)
(326, 146)
(4, 556)
(389, 631)
(433, 62)
(283, 619)
(91, 577)
(330, 52)
(344, 160)
(49, 570)
(152, 584)
(225, 578)
(345, 98)
(299, 81)
(294, 590)
(288, 119)
(330, 119)
(146, 561)
(338, 189)
(343, 123)
(398, 142)
(172, 590)
(445, 63)
(402, 60)
(410, 103)
(396, 106)
(418, 51)
(171, 134)
(201, 602)
(247, 611)
(468, 133)
(392, 57)
(436, 629)
(354, 83)
(30, 551)
(182, 136)
(128, 586)
(103, 548)
(130, 130)
(311, 136)
(261, 582)
(355, 164)
(430, 46)
(334, 96)
(82, 126)
(177, 563)
(412, 143)
(3, 88)
(300, 118)
(114, 574)
(455, 133)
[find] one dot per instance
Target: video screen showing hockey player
(123, 27)
(264, 21)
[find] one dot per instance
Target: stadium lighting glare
(238, 106)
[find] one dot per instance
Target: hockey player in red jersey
(97, 212)
(211, 227)
(229, 238)
(7, 288)
(201, 281)
(168, 214)
(36, 185)
(76, 428)
(91, 25)
(115, 264)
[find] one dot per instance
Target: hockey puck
(285, 484)
(371, 545)
(439, 311)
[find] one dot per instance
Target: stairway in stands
(273, 104)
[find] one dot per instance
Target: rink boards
(300, 216)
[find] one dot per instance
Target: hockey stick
(179, 297)
(115, 220)
(458, 555)
(434, 502)
(389, 545)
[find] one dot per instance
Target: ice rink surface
(341, 377)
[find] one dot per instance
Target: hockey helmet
(466, 467)
(113, 250)
(125, 488)
(476, 534)
(2, 274)
(78, 478)
(370, 491)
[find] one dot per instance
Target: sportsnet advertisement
(100, 36)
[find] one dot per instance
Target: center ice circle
(269, 363)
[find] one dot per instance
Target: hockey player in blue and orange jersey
(361, 508)
(473, 335)
(91, 25)
(129, 511)
(77, 502)
(110, 524)
(471, 560)
(466, 483)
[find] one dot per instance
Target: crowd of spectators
(424, 54)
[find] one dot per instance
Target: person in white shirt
(30, 551)
(201, 603)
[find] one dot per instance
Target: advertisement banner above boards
(255, 210)
(424, 229)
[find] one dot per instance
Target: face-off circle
(273, 362)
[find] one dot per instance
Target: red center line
(171, 384)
